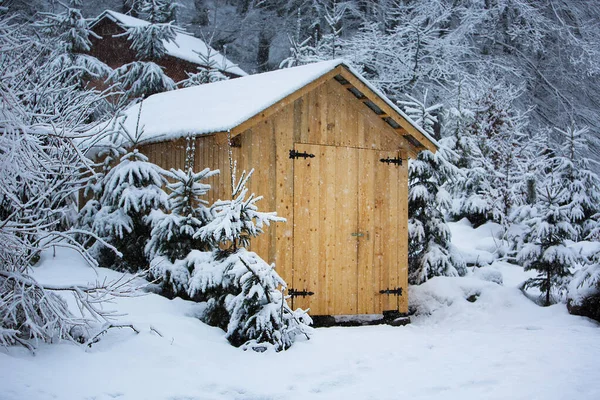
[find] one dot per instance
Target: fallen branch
(104, 330)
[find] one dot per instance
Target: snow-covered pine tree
(160, 11)
(301, 53)
(148, 41)
(545, 247)
(209, 72)
(70, 34)
(242, 288)
(495, 153)
(420, 113)
(172, 237)
(583, 297)
(172, 233)
(328, 46)
(132, 190)
(583, 184)
(93, 192)
(430, 250)
(143, 77)
(140, 79)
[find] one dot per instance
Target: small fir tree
(173, 233)
(209, 72)
(431, 252)
(141, 79)
(72, 34)
(133, 188)
(160, 11)
(545, 249)
(148, 41)
(243, 288)
(583, 184)
(494, 153)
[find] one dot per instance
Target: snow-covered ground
(501, 346)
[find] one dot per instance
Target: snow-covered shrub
(489, 274)
(133, 189)
(583, 297)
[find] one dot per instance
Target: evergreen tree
(242, 288)
(328, 46)
(238, 220)
(494, 153)
(133, 189)
(430, 250)
(141, 79)
(420, 113)
(70, 62)
(582, 183)
(148, 41)
(209, 72)
(173, 233)
(545, 249)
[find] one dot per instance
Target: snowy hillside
(500, 346)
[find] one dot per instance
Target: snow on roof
(184, 47)
(221, 106)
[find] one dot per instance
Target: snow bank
(501, 346)
(477, 246)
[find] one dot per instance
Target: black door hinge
(397, 291)
(397, 161)
(296, 293)
(305, 155)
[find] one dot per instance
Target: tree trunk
(264, 48)
(548, 287)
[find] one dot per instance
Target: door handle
(361, 234)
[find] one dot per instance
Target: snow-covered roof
(185, 46)
(222, 106)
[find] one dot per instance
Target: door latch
(361, 234)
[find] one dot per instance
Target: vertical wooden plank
(326, 229)
(346, 218)
(284, 191)
(403, 235)
(328, 115)
(368, 288)
(393, 242)
(303, 254)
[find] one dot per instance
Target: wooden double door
(350, 225)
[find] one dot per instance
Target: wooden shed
(330, 155)
(184, 55)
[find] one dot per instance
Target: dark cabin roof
(185, 47)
